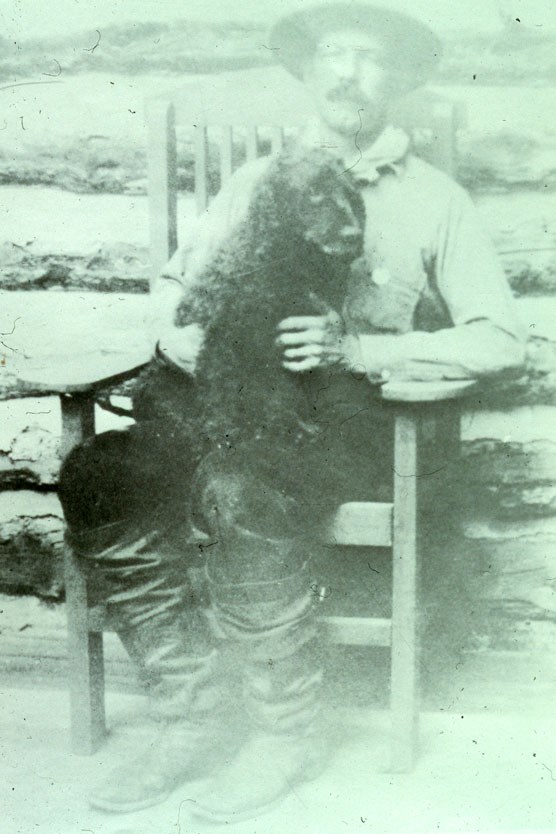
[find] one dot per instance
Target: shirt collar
(387, 153)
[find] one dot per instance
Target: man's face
(348, 81)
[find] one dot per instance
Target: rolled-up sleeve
(469, 275)
(198, 242)
(467, 351)
(487, 337)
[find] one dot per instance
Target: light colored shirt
(428, 299)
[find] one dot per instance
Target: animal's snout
(352, 238)
(351, 233)
(353, 215)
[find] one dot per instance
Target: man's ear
(400, 82)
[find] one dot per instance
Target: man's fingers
(301, 337)
(302, 352)
(300, 322)
(305, 365)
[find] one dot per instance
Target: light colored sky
(21, 19)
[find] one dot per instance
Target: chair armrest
(427, 392)
(80, 374)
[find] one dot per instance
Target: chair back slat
(162, 183)
(432, 123)
(201, 168)
(251, 144)
(226, 152)
(277, 139)
(443, 145)
(431, 120)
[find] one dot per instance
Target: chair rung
(96, 618)
(362, 523)
(358, 631)
(352, 631)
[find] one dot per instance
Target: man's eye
(327, 51)
(369, 54)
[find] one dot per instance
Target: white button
(380, 276)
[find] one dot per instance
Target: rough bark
(113, 268)
(31, 540)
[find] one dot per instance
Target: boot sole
(128, 807)
(223, 818)
(205, 815)
(139, 805)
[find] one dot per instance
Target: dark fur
(273, 267)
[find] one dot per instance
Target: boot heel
(313, 770)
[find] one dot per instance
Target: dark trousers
(142, 481)
(132, 497)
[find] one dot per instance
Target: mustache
(352, 94)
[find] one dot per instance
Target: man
(429, 302)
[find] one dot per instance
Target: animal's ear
(325, 158)
(287, 166)
(314, 158)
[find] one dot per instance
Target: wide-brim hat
(412, 50)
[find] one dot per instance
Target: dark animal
(290, 256)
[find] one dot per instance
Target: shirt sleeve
(487, 337)
(197, 243)
(467, 351)
(468, 273)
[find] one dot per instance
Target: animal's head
(319, 201)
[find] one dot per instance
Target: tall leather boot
(149, 603)
(274, 627)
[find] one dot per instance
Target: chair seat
(356, 523)
(362, 523)
(358, 631)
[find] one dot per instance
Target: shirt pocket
(382, 296)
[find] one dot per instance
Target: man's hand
(314, 342)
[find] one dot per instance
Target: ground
(477, 772)
(487, 760)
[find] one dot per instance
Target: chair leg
(85, 650)
(86, 665)
(404, 681)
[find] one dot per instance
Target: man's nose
(351, 230)
(346, 66)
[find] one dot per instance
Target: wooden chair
(424, 413)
